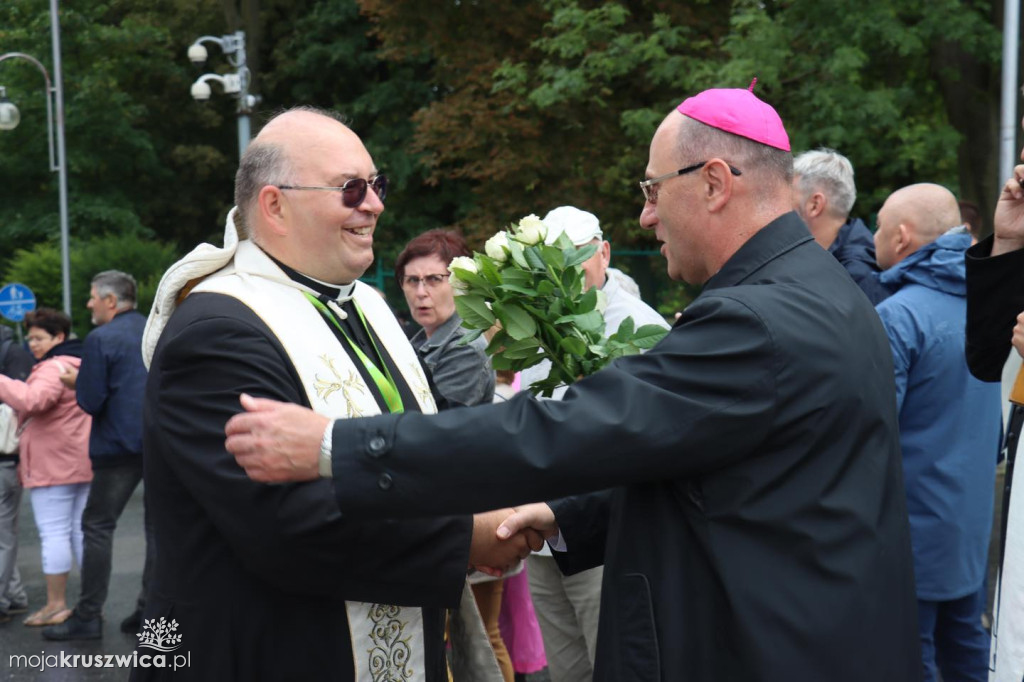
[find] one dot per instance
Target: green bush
(39, 269)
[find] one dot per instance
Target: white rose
(465, 263)
(497, 247)
(532, 230)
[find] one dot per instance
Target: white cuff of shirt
(557, 543)
(324, 462)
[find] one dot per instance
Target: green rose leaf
(530, 361)
(516, 250)
(552, 256)
(573, 366)
(526, 291)
(516, 277)
(499, 361)
(563, 242)
(587, 302)
(533, 257)
(626, 328)
(572, 281)
(581, 254)
(472, 279)
(520, 350)
(592, 321)
(516, 321)
(573, 345)
(474, 311)
(648, 336)
(499, 339)
(489, 269)
(546, 387)
(471, 337)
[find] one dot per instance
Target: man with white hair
(949, 425)
(568, 607)
(823, 194)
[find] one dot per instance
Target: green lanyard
(385, 384)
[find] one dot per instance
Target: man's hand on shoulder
(69, 377)
(274, 441)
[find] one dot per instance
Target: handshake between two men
(277, 442)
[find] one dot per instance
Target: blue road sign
(15, 301)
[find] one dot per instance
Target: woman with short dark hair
(54, 453)
(462, 374)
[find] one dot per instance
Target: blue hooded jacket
(949, 421)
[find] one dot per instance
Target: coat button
(376, 446)
(385, 481)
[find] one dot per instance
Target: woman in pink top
(54, 452)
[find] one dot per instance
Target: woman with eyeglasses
(54, 453)
(462, 375)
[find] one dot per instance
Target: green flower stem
(557, 280)
(555, 360)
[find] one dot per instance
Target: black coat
(256, 575)
(854, 248)
(995, 296)
(758, 530)
(15, 361)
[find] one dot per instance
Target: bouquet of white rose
(534, 292)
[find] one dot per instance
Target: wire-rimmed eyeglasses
(650, 187)
(413, 282)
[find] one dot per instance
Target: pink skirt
(518, 624)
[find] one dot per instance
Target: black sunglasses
(353, 192)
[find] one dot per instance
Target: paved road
(15, 638)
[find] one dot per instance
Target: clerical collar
(331, 291)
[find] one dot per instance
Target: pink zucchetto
(739, 112)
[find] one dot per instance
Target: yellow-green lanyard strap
(385, 384)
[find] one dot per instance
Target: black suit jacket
(758, 529)
(256, 575)
(995, 296)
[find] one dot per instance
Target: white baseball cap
(580, 226)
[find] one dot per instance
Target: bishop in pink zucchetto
(759, 521)
(739, 112)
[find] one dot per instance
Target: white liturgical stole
(387, 641)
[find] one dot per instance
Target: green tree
(325, 56)
(38, 268)
(554, 101)
(142, 159)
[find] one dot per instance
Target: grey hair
(266, 163)
(829, 172)
(698, 142)
(120, 284)
(262, 164)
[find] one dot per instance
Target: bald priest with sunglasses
(274, 582)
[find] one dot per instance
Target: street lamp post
(236, 83)
(9, 118)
